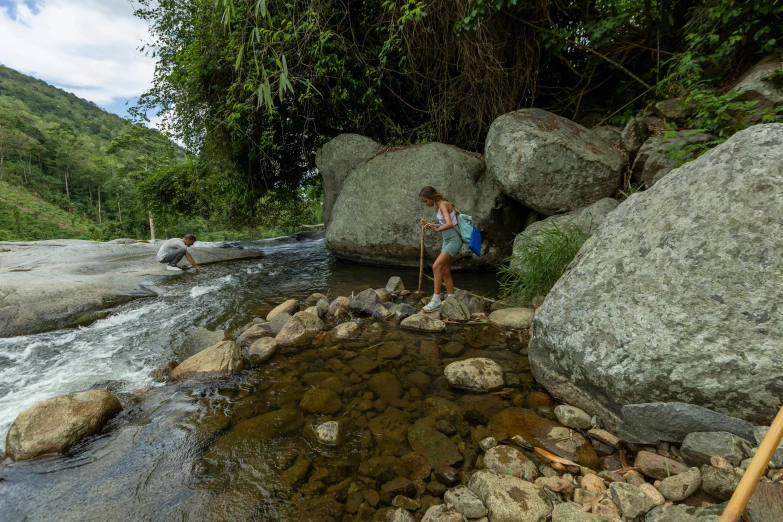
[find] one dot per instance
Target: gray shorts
(452, 242)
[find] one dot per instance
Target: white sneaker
(432, 306)
(173, 268)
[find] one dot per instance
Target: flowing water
(241, 448)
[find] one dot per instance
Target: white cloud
(87, 47)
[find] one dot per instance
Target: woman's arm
(444, 209)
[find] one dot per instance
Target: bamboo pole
(421, 258)
(750, 479)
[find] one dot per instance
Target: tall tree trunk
(119, 211)
(67, 192)
(99, 205)
(152, 226)
(2, 158)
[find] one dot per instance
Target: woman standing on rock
(452, 243)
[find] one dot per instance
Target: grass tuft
(539, 262)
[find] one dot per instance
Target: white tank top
(442, 220)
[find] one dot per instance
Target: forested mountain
(75, 156)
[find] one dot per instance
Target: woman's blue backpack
(470, 234)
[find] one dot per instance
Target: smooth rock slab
(513, 318)
(423, 323)
(510, 461)
(641, 422)
(217, 361)
(465, 502)
(510, 499)
(697, 448)
(477, 374)
(57, 424)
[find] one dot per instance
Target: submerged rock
(320, 401)
(197, 340)
(328, 433)
(57, 424)
(549, 163)
(439, 450)
(217, 361)
(546, 434)
(692, 268)
(477, 374)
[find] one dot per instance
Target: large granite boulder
(754, 87)
(660, 155)
(377, 214)
(549, 163)
(336, 159)
(59, 423)
(587, 219)
(677, 296)
(217, 361)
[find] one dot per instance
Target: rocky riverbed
(344, 409)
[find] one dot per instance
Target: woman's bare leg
(447, 276)
(444, 260)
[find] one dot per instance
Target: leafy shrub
(539, 262)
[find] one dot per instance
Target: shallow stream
(243, 448)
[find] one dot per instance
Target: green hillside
(24, 216)
(80, 160)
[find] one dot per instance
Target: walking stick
(421, 258)
(750, 479)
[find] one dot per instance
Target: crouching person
(172, 251)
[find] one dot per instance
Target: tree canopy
(259, 84)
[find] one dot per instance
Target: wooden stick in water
(421, 258)
(750, 479)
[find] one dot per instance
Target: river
(168, 456)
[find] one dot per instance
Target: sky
(87, 47)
